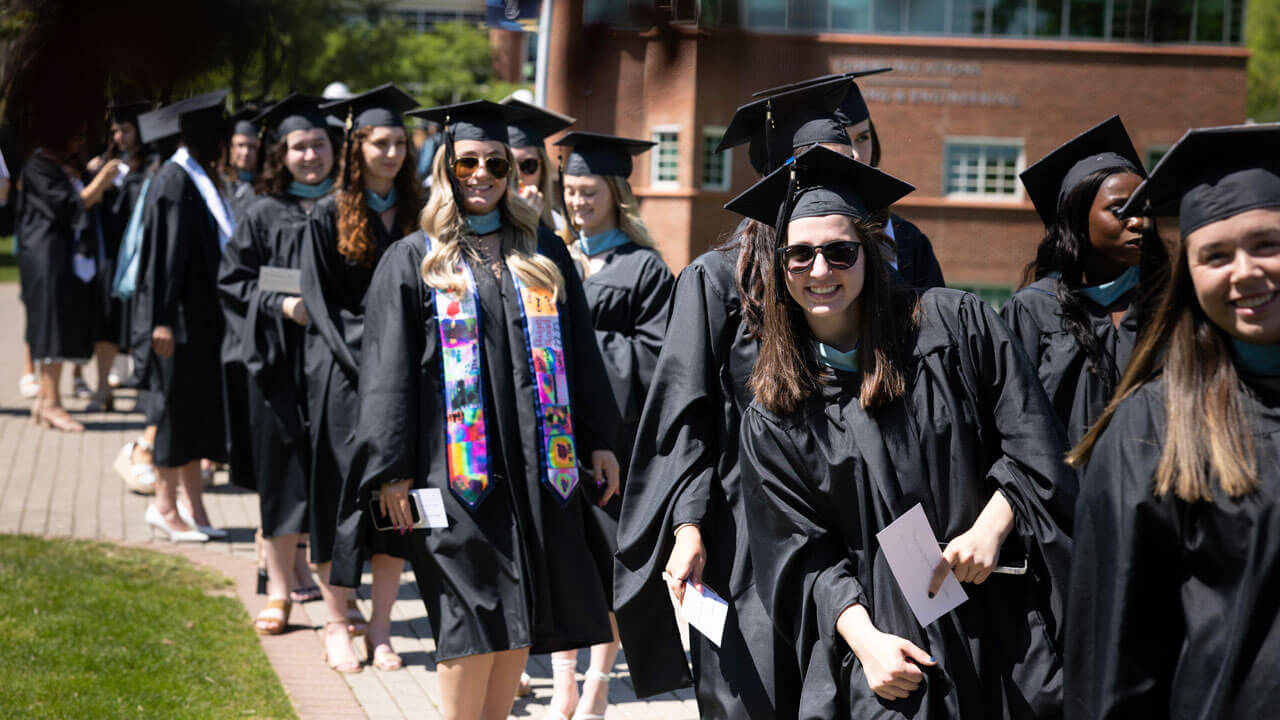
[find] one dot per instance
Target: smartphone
(384, 523)
(1010, 561)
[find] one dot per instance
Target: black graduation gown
(113, 317)
(515, 572)
(821, 482)
(178, 287)
(270, 349)
(1078, 394)
(917, 265)
(628, 297)
(333, 290)
(684, 469)
(1173, 606)
(58, 303)
(240, 196)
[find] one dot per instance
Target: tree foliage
(1262, 34)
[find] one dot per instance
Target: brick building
(979, 90)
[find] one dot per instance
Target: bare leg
(564, 683)
(301, 569)
(386, 585)
(193, 488)
(28, 367)
(166, 498)
(141, 455)
(595, 688)
(462, 685)
(503, 679)
(105, 354)
(337, 640)
(49, 402)
(278, 552)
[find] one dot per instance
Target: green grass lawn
(8, 263)
(91, 630)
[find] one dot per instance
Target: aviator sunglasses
(840, 255)
(465, 167)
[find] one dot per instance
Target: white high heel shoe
(157, 523)
(212, 532)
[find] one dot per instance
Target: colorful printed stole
(458, 317)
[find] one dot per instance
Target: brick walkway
(61, 485)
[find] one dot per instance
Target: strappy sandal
(350, 667)
(356, 624)
(278, 619)
(60, 420)
(138, 477)
(382, 656)
(603, 679)
(564, 666)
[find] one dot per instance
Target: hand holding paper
(911, 549)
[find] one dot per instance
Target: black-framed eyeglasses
(840, 255)
(465, 167)
(529, 166)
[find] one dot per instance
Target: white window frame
(656, 154)
(1019, 166)
(726, 157)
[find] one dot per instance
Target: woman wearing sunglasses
(534, 171)
(1079, 315)
(479, 390)
(1172, 604)
(872, 399)
(628, 287)
(376, 202)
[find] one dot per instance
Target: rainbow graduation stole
(458, 318)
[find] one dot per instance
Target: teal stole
(458, 319)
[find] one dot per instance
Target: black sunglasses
(465, 167)
(528, 166)
(840, 255)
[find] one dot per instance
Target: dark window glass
(1171, 21)
(1010, 17)
(766, 13)
(888, 16)
(1088, 19)
(1210, 15)
(851, 15)
(1047, 18)
(969, 17)
(807, 14)
(1238, 11)
(927, 16)
(1128, 18)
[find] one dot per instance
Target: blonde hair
(626, 211)
(444, 223)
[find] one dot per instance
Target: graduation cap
(382, 106)
(819, 182)
(241, 121)
(194, 114)
(474, 120)
(853, 109)
(597, 154)
(794, 117)
(1102, 147)
(532, 129)
(126, 112)
(296, 112)
(1212, 174)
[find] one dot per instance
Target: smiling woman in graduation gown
(1079, 319)
(1175, 584)
(967, 434)
(513, 569)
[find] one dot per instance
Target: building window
(717, 167)
(664, 168)
(984, 167)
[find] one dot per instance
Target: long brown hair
(787, 372)
(355, 238)
(1206, 433)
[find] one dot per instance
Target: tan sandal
(351, 667)
(277, 621)
(382, 656)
